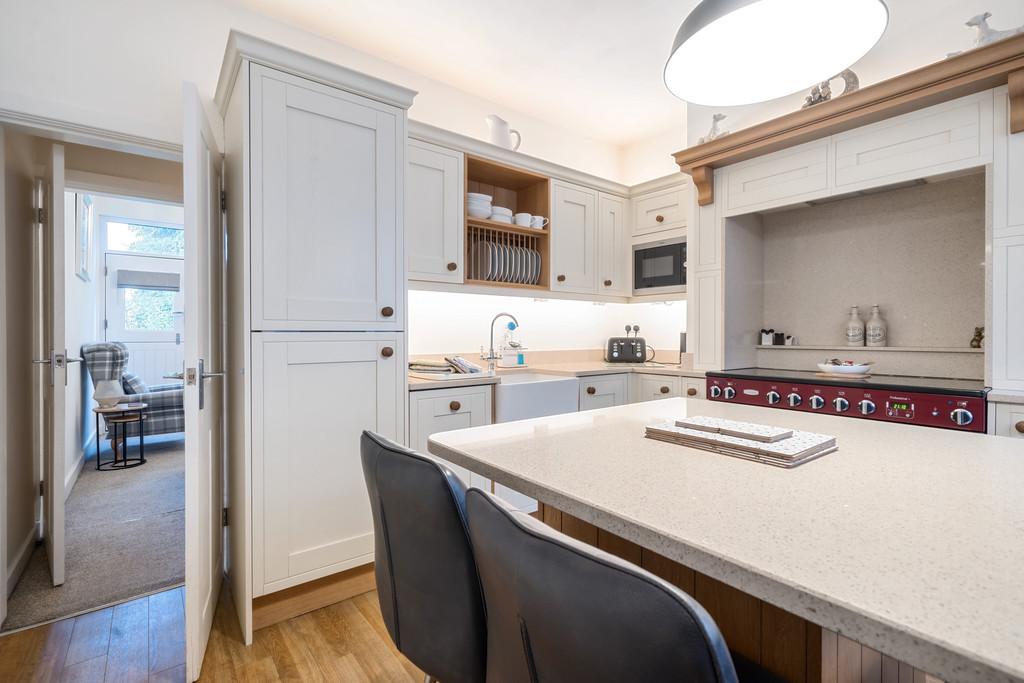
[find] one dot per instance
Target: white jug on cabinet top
(501, 134)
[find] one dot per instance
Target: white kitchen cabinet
(604, 391)
(661, 210)
(313, 395)
(613, 251)
(777, 179)
(573, 238)
(655, 387)
(327, 170)
(434, 201)
(940, 139)
(1006, 334)
(442, 410)
(1009, 419)
(693, 387)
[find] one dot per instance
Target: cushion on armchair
(133, 384)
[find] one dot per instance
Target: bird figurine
(986, 35)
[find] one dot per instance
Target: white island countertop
(907, 539)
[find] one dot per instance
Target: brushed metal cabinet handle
(387, 352)
(455, 405)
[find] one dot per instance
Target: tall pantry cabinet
(314, 168)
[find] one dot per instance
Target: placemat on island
(744, 430)
(789, 452)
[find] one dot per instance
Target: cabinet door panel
(656, 387)
(694, 388)
(608, 391)
(777, 179)
(661, 210)
(574, 238)
(434, 212)
(1006, 338)
(612, 247)
(326, 187)
(311, 514)
(443, 410)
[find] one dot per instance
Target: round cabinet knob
(817, 402)
(1019, 427)
(714, 391)
(453, 265)
(794, 399)
(387, 311)
(561, 278)
(840, 404)
(773, 397)
(729, 393)
(664, 390)
(659, 218)
(387, 352)
(693, 392)
(962, 416)
(454, 406)
(591, 390)
(866, 407)
(607, 283)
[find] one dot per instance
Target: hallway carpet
(125, 535)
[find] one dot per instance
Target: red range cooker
(926, 401)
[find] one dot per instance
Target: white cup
(523, 219)
(538, 222)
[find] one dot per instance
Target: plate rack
(506, 257)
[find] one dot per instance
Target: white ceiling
(590, 66)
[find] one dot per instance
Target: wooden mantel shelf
(984, 68)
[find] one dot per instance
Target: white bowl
(499, 218)
(501, 210)
(477, 211)
(476, 196)
(859, 369)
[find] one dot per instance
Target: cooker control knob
(729, 393)
(866, 407)
(962, 416)
(715, 391)
(773, 397)
(840, 404)
(794, 399)
(817, 402)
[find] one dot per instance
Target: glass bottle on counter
(876, 329)
(854, 328)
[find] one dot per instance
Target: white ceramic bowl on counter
(857, 369)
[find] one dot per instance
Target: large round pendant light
(732, 52)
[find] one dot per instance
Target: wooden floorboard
(143, 641)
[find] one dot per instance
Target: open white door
(204, 382)
(51, 356)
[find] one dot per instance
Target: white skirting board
(16, 567)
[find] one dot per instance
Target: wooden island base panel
(767, 643)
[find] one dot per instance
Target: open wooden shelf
(505, 227)
(872, 349)
(494, 283)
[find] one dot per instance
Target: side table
(117, 420)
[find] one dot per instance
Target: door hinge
(106, 323)
(223, 201)
(224, 516)
(41, 215)
(42, 487)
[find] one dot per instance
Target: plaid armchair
(165, 413)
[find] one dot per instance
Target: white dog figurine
(986, 34)
(715, 131)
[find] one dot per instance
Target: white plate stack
(501, 214)
(478, 205)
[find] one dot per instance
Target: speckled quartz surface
(570, 369)
(908, 539)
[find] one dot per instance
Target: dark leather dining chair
(427, 583)
(560, 610)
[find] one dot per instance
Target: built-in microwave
(659, 267)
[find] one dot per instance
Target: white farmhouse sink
(520, 396)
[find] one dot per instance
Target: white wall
(444, 322)
(652, 158)
(119, 65)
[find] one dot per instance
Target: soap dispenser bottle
(854, 328)
(512, 350)
(876, 329)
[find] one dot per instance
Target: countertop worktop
(907, 539)
(584, 368)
